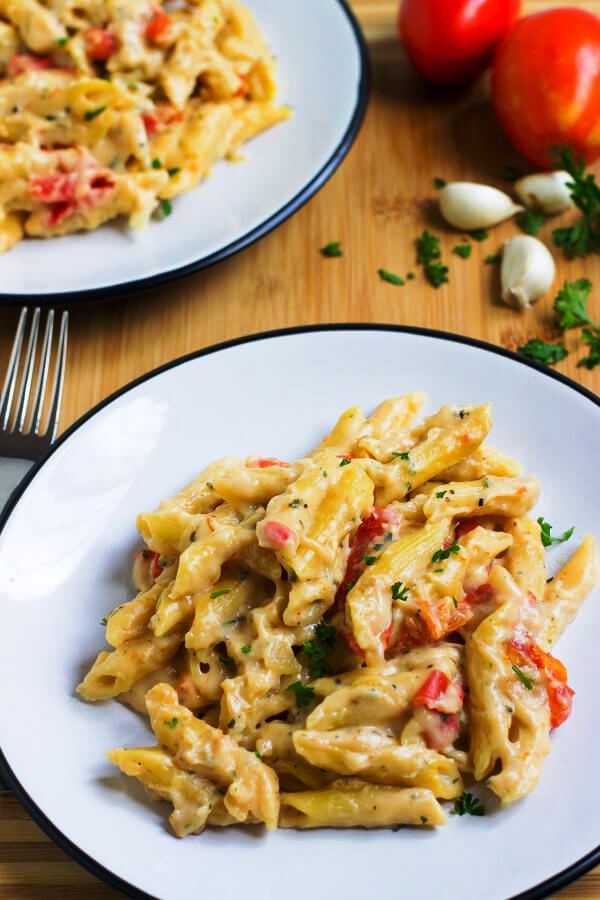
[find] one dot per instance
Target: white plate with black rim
(66, 544)
(322, 75)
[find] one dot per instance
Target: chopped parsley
(547, 539)
(345, 462)
(592, 338)
(295, 503)
(429, 256)
(584, 236)
(62, 42)
(510, 173)
(530, 222)
(166, 207)
(444, 553)
(493, 259)
(410, 276)
(172, 723)
(390, 277)
(463, 250)
(227, 661)
(370, 560)
(543, 352)
(220, 593)
(479, 234)
(469, 805)
(441, 494)
(303, 693)
(174, 171)
(92, 113)
(399, 455)
(571, 303)
(319, 649)
(522, 677)
(324, 473)
(246, 649)
(399, 591)
(424, 820)
(104, 621)
(258, 754)
(333, 248)
(156, 163)
(439, 183)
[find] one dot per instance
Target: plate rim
(140, 285)
(537, 892)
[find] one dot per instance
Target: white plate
(65, 552)
(322, 74)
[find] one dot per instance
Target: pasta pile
(339, 640)
(113, 107)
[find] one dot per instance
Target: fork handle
(11, 473)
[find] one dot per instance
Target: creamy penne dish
(113, 107)
(349, 639)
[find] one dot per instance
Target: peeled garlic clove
(527, 271)
(467, 205)
(546, 192)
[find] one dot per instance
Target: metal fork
(21, 434)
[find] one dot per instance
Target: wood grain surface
(376, 204)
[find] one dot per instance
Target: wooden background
(376, 204)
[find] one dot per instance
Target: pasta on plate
(113, 107)
(339, 641)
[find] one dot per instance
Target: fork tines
(19, 417)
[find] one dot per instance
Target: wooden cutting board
(376, 204)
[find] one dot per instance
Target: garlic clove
(527, 271)
(468, 205)
(545, 192)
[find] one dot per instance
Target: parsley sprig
(319, 649)
(542, 351)
(592, 338)
(390, 277)
(584, 236)
(444, 553)
(571, 303)
(332, 249)
(468, 804)
(429, 256)
(546, 529)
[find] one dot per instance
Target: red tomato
(53, 188)
(452, 41)
(25, 62)
(266, 463)
(432, 689)
(560, 695)
(100, 44)
(276, 534)
(464, 526)
(546, 84)
(371, 528)
(158, 26)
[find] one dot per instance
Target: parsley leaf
(479, 234)
(303, 693)
(404, 455)
(319, 649)
(510, 173)
(571, 303)
(547, 539)
(463, 250)
(493, 259)
(530, 222)
(295, 503)
(227, 661)
(62, 42)
(442, 553)
(469, 805)
(390, 277)
(172, 723)
(156, 163)
(399, 591)
(522, 677)
(333, 248)
(370, 560)
(584, 236)
(92, 113)
(246, 649)
(429, 256)
(593, 339)
(542, 351)
(220, 593)
(345, 462)
(439, 183)
(441, 494)
(166, 207)
(174, 171)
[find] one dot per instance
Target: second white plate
(322, 75)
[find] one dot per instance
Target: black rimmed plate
(66, 544)
(322, 75)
